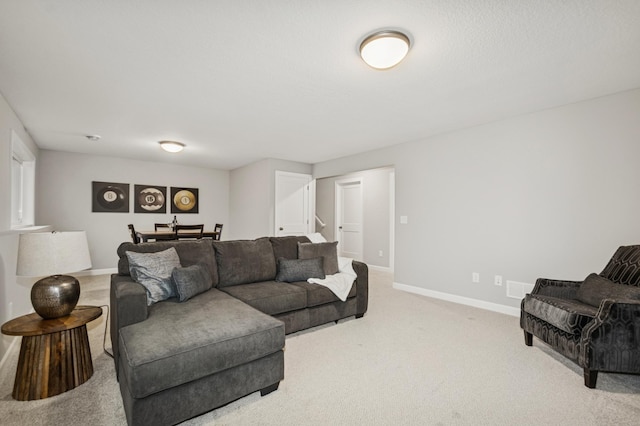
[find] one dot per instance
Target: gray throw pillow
(153, 271)
(328, 251)
(594, 289)
(190, 281)
(292, 270)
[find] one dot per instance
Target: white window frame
(23, 182)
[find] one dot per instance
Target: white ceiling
(238, 81)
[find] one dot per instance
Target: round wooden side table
(54, 354)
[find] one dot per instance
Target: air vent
(517, 290)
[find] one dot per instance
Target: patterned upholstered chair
(595, 322)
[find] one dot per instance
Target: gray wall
(64, 197)
(252, 196)
(376, 212)
(14, 292)
(548, 194)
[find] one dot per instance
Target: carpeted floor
(410, 361)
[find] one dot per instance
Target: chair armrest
(128, 306)
(556, 288)
(611, 342)
(362, 286)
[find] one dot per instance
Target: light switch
(404, 220)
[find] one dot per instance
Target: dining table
(171, 235)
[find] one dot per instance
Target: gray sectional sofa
(176, 360)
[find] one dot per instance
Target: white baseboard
(489, 306)
(380, 268)
(91, 272)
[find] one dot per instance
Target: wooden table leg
(51, 364)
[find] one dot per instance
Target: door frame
(338, 187)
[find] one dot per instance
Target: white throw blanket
(340, 284)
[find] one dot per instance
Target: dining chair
(218, 231)
(161, 226)
(193, 231)
(134, 236)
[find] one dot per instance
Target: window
(23, 168)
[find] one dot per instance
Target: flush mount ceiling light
(384, 49)
(171, 146)
(93, 137)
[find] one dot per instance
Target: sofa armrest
(362, 287)
(556, 288)
(611, 342)
(128, 306)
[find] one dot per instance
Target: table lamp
(53, 253)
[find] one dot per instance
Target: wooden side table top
(35, 325)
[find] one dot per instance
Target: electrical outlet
(380, 253)
(497, 280)
(475, 277)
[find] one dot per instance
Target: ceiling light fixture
(171, 146)
(384, 49)
(93, 137)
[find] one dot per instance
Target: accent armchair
(595, 322)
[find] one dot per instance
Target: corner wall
(252, 197)
(547, 194)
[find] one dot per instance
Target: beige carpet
(410, 361)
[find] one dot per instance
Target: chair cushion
(566, 314)
(244, 261)
(270, 297)
(182, 342)
(595, 289)
(319, 294)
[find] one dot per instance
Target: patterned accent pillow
(190, 281)
(292, 270)
(328, 251)
(153, 271)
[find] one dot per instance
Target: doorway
(293, 204)
(349, 208)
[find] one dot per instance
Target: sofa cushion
(566, 314)
(244, 261)
(182, 342)
(328, 251)
(189, 252)
(190, 281)
(290, 270)
(595, 289)
(287, 247)
(270, 297)
(153, 271)
(319, 294)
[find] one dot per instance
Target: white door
(349, 217)
(292, 209)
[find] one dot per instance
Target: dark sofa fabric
(287, 247)
(189, 252)
(242, 262)
(595, 322)
(176, 360)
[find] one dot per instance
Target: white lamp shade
(52, 253)
(384, 49)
